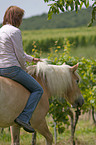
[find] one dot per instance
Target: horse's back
(13, 98)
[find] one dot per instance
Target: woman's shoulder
(9, 29)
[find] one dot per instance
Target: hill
(64, 20)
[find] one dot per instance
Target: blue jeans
(17, 74)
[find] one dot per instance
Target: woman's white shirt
(11, 48)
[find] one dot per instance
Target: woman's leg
(36, 92)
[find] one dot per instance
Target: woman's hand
(35, 60)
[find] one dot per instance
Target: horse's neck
(55, 80)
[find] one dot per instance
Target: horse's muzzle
(79, 102)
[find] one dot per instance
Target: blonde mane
(57, 77)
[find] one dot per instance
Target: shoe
(30, 131)
(26, 126)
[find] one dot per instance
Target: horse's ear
(74, 68)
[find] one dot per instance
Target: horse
(56, 80)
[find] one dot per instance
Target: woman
(13, 63)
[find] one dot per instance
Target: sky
(31, 7)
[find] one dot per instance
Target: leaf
(61, 130)
(94, 4)
(46, 1)
(50, 13)
(87, 5)
(76, 6)
(81, 5)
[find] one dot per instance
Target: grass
(87, 52)
(85, 135)
(57, 33)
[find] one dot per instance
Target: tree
(57, 6)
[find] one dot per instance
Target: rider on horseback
(13, 63)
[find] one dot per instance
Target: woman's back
(8, 34)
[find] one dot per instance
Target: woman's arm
(29, 58)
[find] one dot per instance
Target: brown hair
(13, 16)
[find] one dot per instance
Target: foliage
(59, 111)
(63, 20)
(93, 14)
(57, 6)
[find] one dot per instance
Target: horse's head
(74, 95)
(60, 81)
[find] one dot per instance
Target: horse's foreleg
(15, 134)
(43, 129)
